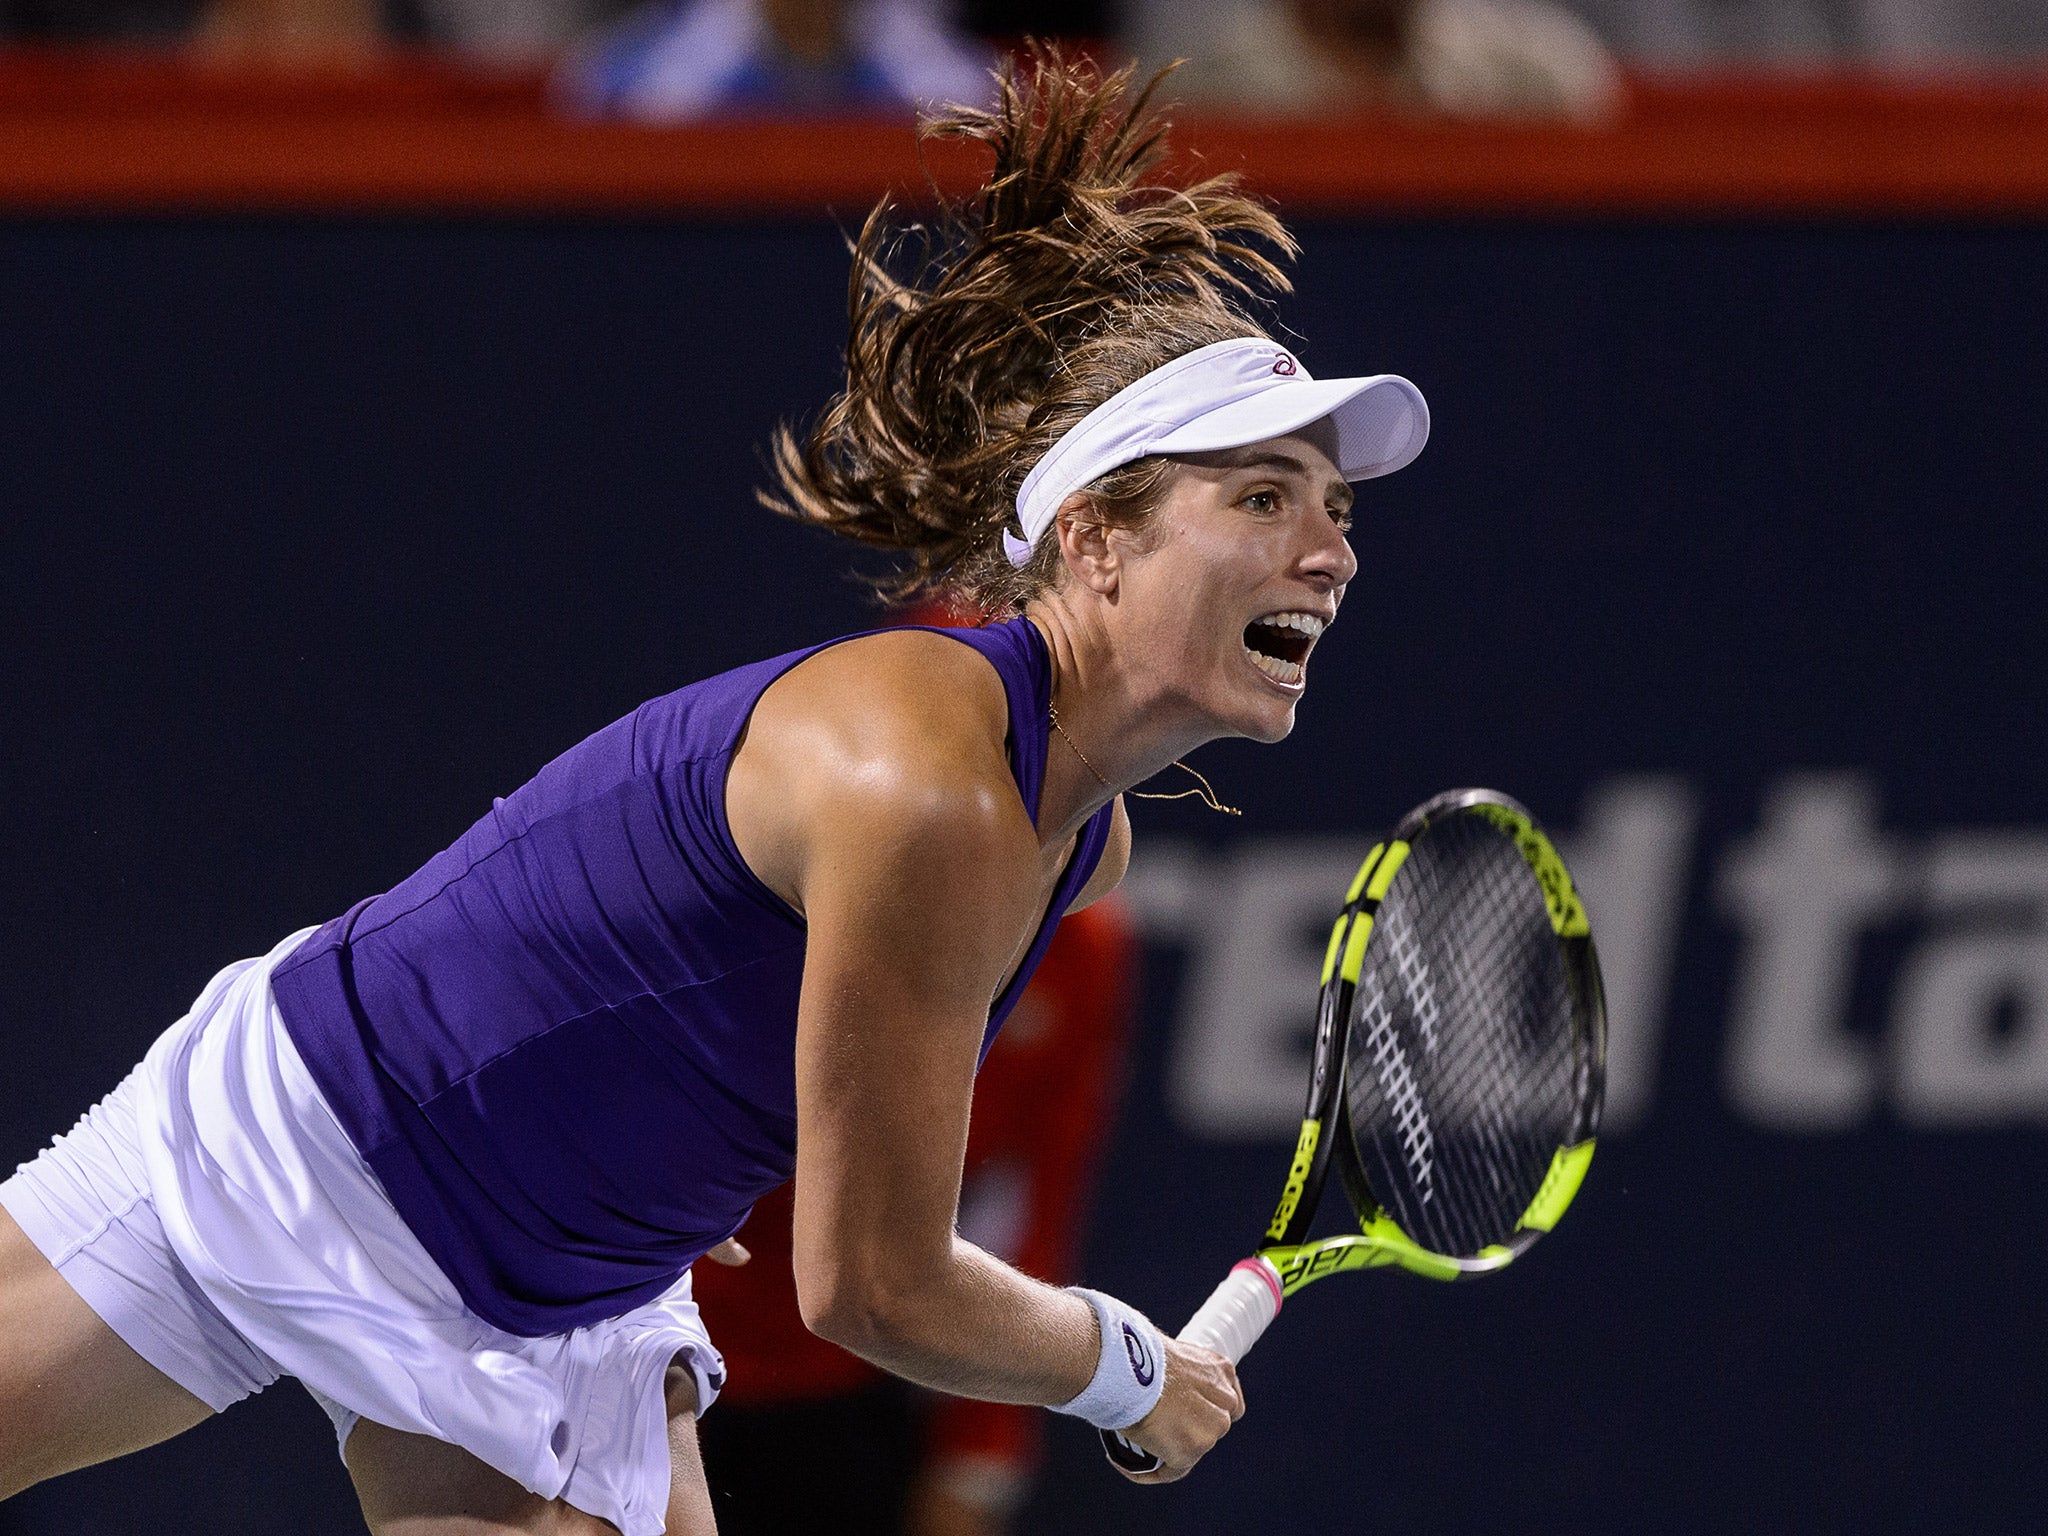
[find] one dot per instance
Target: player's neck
(1113, 730)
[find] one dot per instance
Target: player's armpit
(1114, 864)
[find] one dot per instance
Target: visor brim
(1382, 422)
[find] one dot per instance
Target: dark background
(319, 534)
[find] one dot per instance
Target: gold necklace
(1205, 793)
(1054, 711)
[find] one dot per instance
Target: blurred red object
(98, 131)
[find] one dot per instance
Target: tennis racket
(1460, 1057)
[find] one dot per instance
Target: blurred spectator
(1661, 33)
(1462, 58)
(289, 29)
(808, 1438)
(913, 46)
(1907, 33)
(516, 28)
(678, 59)
(262, 28)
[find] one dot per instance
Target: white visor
(1225, 395)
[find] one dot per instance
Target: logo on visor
(1285, 366)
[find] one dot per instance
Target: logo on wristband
(1139, 1351)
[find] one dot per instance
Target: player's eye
(1341, 516)
(1262, 502)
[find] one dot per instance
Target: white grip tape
(1237, 1311)
(1229, 1322)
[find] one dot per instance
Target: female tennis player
(448, 1158)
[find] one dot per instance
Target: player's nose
(1329, 555)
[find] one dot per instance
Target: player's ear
(1085, 545)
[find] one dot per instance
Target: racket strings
(1460, 1067)
(1505, 1078)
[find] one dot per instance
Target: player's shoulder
(915, 693)
(907, 723)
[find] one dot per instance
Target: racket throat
(1311, 1165)
(1304, 1185)
(1364, 1204)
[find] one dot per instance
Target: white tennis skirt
(213, 1213)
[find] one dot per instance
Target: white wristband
(1130, 1371)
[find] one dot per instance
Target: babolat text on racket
(1460, 1058)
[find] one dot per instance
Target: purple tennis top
(567, 1045)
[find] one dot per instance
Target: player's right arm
(899, 834)
(911, 925)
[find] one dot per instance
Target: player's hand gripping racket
(1460, 1056)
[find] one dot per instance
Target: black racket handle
(1127, 1455)
(1230, 1323)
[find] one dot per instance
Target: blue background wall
(319, 534)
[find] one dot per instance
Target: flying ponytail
(1069, 274)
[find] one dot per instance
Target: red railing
(109, 132)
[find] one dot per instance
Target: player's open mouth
(1279, 643)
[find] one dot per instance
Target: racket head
(1461, 1047)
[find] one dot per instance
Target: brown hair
(1070, 274)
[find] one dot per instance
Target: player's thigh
(414, 1485)
(71, 1392)
(689, 1497)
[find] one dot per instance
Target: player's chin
(1270, 721)
(1270, 716)
(1274, 731)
